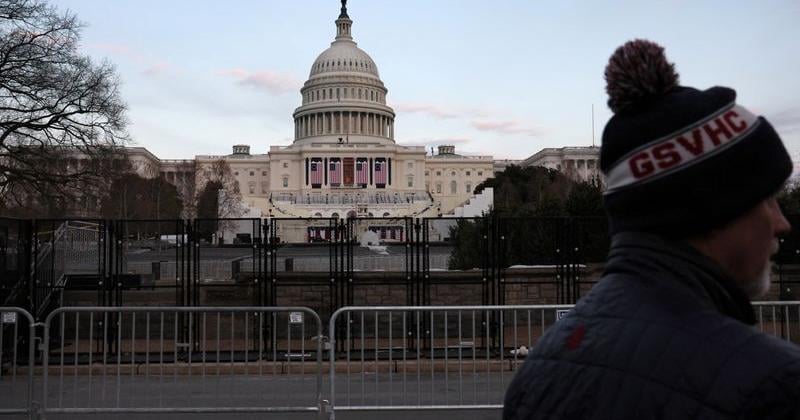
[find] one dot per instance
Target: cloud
(274, 82)
(157, 69)
(506, 127)
(151, 66)
(435, 111)
(441, 112)
(786, 121)
(436, 141)
(480, 118)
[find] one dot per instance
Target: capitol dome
(344, 98)
(344, 56)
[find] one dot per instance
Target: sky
(504, 78)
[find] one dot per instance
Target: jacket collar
(698, 273)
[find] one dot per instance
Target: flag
(362, 172)
(380, 172)
(316, 173)
(334, 172)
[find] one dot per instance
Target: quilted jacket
(663, 335)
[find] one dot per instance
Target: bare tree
(189, 177)
(229, 199)
(56, 105)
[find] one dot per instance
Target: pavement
(355, 394)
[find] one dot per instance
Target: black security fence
(321, 263)
(787, 262)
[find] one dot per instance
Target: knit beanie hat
(680, 161)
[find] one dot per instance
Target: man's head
(744, 246)
(690, 164)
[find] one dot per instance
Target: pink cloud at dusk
(435, 111)
(157, 69)
(437, 141)
(440, 111)
(506, 127)
(786, 121)
(151, 66)
(274, 82)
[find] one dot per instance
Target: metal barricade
(17, 352)
(781, 319)
(430, 357)
(182, 360)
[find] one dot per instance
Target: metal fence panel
(455, 357)
(191, 360)
(17, 352)
(430, 357)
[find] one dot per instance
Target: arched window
(386, 214)
(453, 187)
(317, 214)
(335, 215)
(351, 214)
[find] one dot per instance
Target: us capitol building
(344, 160)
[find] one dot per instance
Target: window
(410, 165)
(438, 173)
(317, 214)
(285, 164)
(236, 173)
(480, 173)
(453, 187)
(386, 214)
(438, 188)
(252, 173)
(453, 173)
(427, 173)
(264, 188)
(285, 182)
(469, 188)
(427, 186)
(263, 173)
(410, 181)
(468, 173)
(251, 187)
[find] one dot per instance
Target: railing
(111, 360)
(434, 357)
(17, 352)
(182, 360)
(353, 198)
(70, 249)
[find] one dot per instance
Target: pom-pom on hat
(680, 161)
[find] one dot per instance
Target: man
(668, 331)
